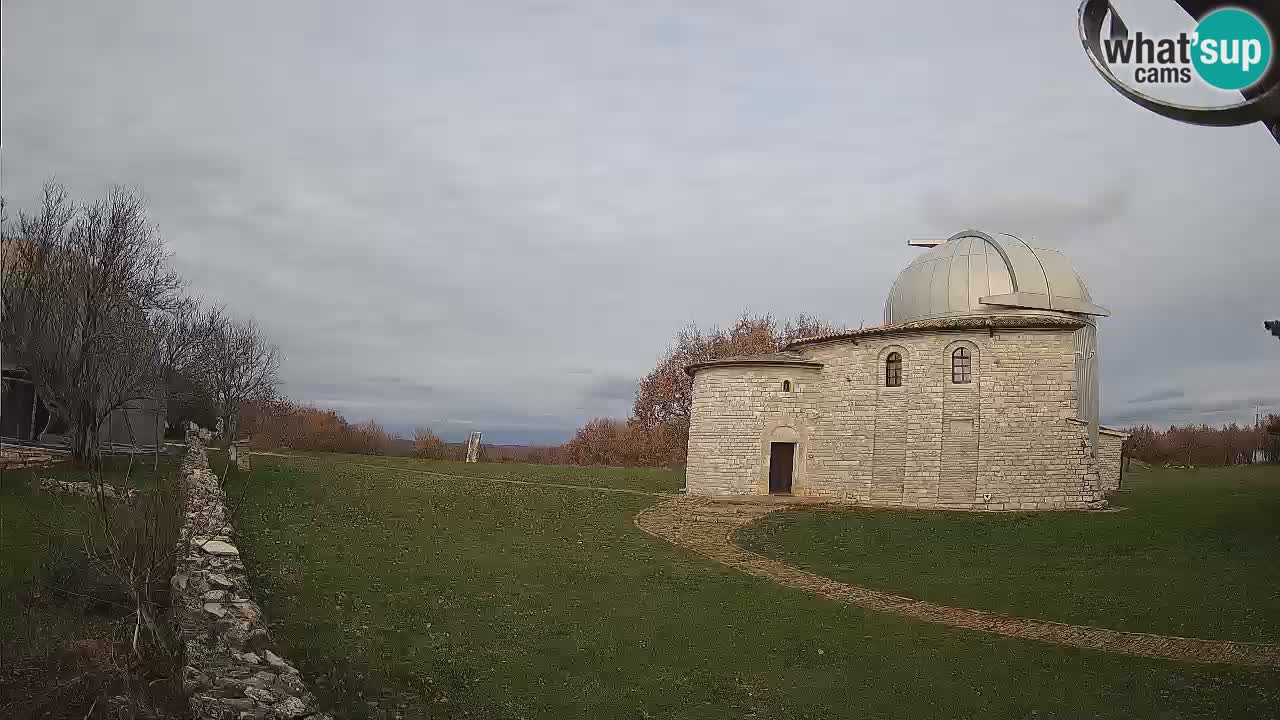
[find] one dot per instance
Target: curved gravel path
(707, 527)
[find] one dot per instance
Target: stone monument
(473, 447)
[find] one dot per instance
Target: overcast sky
(494, 215)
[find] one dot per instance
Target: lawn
(648, 479)
(1193, 553)
(30, 523)
(64, 625)
(35, 526)
(405, 593)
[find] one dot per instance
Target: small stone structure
(1111, 457)
(473, 447)
(231, 672)
(238, 453)
(980, 392)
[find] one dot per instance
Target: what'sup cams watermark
(1230, 49)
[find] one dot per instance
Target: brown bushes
(427, 444)
(605, 441)
(1205, 445)
(283, 423)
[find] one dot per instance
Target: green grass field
(64, 624)
(34, 526)
(647, 479)
(402, 592)
(1194, 553)
(29, 524)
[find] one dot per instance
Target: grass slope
(1193, 554)
(439, 597)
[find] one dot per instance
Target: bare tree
(664, 397)
(81, 285)
(240, 366)
(85, 291)
(131, 537)
(178, 335)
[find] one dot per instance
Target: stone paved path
(707, 527)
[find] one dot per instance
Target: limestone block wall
(1001, 442)
(1110, 456)
(231, 672)
(736, 413)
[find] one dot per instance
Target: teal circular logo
(1232, 49)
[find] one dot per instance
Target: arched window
(893, 370)
(961, 366)
(786, 386)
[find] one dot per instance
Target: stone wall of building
(1111, 455)
(736, 413)
(231, 671)
(1001, 442)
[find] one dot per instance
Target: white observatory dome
(974, 273)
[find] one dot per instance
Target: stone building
(979, 392)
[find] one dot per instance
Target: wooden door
(781, 464)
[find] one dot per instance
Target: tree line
(97, 318)
(282, 423)
(1198, 445)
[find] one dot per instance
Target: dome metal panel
(974, 273)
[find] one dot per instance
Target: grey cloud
(1006, 204)
(1203, 410)
(501, 213)
(1155, 395)
(612, 388)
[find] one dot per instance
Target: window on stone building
(786, 386)
(961, 366)
(893, 370)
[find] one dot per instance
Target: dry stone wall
(1005, 441)
(231, 671)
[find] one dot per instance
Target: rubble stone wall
(83, 488)
(231, 672)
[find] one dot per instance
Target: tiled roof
(982, 322)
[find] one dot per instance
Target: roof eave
(747, 362)
(1028, 322)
